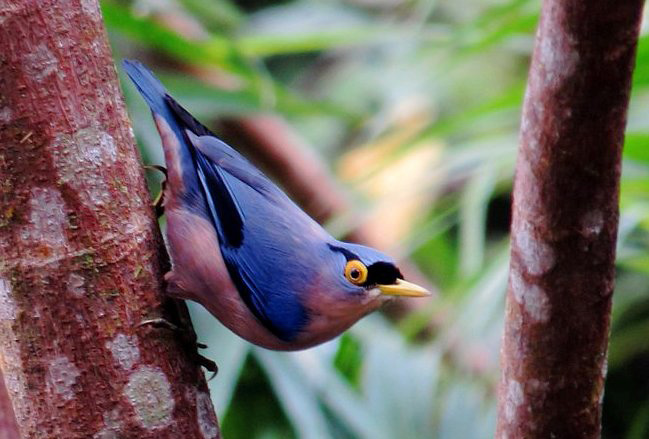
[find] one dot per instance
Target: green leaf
(641, 72)
(639, 428)
(217, 51)
(636, 147)
(627, 343)
(299, 401)
(216, 15)
(316, 40)
(473, 219)
(348, 359)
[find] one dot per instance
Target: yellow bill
(404, 288)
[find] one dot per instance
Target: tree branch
(81, 259)
(565, 218)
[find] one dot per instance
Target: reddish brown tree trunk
(80, 252)
(565, 220)
(8, 426)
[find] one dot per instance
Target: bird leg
(188, 337)
(160, 322)
(158, 202)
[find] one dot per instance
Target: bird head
(368, 273)
(354, 280)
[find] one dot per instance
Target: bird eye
(356, 272)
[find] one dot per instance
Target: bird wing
(265, 239)
(255, 220)
(218, 165)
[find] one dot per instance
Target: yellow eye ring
(356, 272)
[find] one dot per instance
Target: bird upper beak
(403, 288)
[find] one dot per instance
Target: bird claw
(158, 202)
(189, 337)
(159, 168)
(160, 322)
(209, 365)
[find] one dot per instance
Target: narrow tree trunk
(565, 219)
(80, 253)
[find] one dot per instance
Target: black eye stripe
(382, 273)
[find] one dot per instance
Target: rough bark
(8, 426)
(565, 218)
(81, 259)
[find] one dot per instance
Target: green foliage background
(441, 78)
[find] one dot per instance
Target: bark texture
(81, 259)
(565, 218)
(8, 426)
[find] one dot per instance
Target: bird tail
(160, 102)
(148, 85)
(179, 154)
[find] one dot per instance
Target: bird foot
(158, 202)
(189, 342)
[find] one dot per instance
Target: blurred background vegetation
(414, 107)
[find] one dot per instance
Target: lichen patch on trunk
(125, 350)
(62, 377)
(531, 296)
(205, 416)
(41, 63)
(76, 285)
(45, 232)
(536, 253)
(149, 393)
(7, 304)
(82, 160)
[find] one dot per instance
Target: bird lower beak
(403, 288)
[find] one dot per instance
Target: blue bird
(241, 248)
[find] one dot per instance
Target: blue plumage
(284, 282)
(255, 257)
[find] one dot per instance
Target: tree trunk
(565, 219)
(8, 426)
(81, 259)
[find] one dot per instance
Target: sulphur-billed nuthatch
(246, 252)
